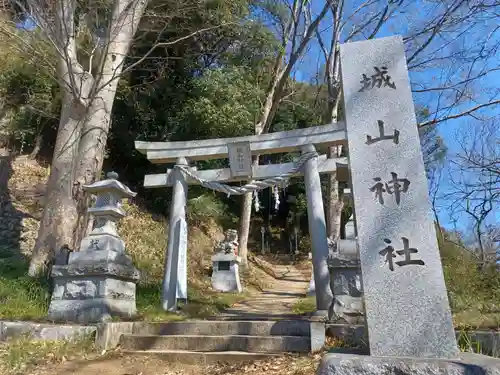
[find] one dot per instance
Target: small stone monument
(99, 281)
(225, 275)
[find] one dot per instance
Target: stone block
(346, 285)
(44, 332)
(349, 364)
(350, 230)
(225, 274)
(94, 292)
(318, 335)
(92, 287)
(348, 309)
(93, 310)
(407, 308)
(99, 256)
(108, 334)
(100, 268)
(102, 242)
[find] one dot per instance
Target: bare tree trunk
(334, 204)
(280, 74)
(38, 146)
(480, 243)
(124, 24)
(59, 214)
(270, 107)
(246, 214)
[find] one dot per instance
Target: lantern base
(95, 287)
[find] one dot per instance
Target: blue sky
(416, 13)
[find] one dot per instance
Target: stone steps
(202, 358)
(226, 328)
(211, 341)
(238, 343)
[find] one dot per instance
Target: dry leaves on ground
(286, 365)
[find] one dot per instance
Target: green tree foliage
(224, 103)
(469, 287)
(210, 84)
(29, 100)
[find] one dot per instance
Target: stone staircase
(203, 342)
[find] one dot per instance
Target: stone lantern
(99, 281)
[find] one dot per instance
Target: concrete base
(349, 364)
(44, 332)
(91, 310)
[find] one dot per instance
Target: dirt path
(120, 364)
(276, 300)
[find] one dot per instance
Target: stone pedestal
(99, 281)
(349, 364)
(94, 287)
(225, 274)
(345, 283)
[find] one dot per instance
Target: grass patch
(22, 297)
(201, 304)
(144, 235)
(305, 305)
(25, 298)
(21, 355)
(475, 319)
(467, 344)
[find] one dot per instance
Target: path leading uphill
(276, 300)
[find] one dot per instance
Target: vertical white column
(177, 240)
(317, 231)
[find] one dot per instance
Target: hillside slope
(144, 235)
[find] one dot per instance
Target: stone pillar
(175, 282)
(99, 281)
(317, 231)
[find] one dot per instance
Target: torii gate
(406, 304)
(239, 150)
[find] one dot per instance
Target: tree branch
(458, 115)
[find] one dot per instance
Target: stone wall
(18, 230)
(22, 185)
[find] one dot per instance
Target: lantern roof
(110, 185)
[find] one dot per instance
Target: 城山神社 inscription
(382, 136)
(379, 79)
(389, 253)
(396, 236)
(395, 186)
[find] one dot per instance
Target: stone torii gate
(239, 150)
(406, 305)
